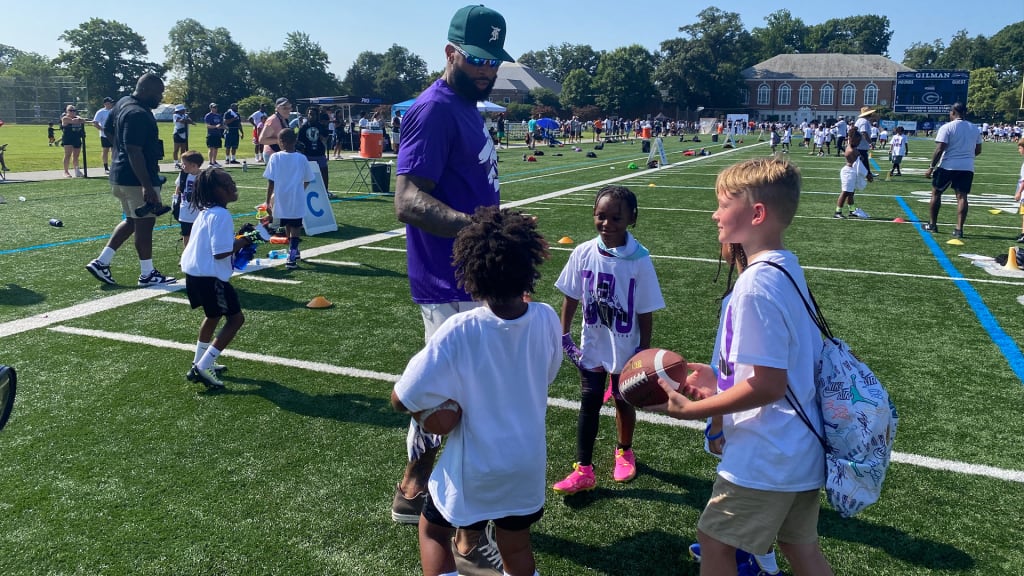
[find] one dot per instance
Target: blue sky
(344, 29)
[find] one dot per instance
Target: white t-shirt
(612, 291)
(100, 119)
(960, 137)
(290, 171)
(188, 212)
(766, 324)
(863, 125)
(213, 233)
(898, 145)
(494, 462)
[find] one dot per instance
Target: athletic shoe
(958, 233)
(177, 165)
(207, 377)
(839, 216)
(214, 164)
(930, 228)
(580, 479)
(483, 560)
(747, 564)
(291, 264)
(407, 510)
(156, 209)
(219, 369)
(859, 213)
(102, 271)
(1020, 239)
(625, 465)
(155, 278)
(78, 173)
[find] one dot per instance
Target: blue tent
(483, 107)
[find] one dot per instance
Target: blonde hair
(774, 182)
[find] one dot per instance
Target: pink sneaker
(581, 478)
(625, 465)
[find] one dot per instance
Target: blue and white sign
(930, 91)
(319, 216)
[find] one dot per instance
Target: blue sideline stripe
(1001, 339)
(155, 229)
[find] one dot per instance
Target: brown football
(638, 381)
(440, 419)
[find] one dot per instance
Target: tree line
(701, 67)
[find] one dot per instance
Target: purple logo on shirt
(601, 305)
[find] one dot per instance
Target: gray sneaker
(407, 510)
(483, 560)
(100, 271)
(207, 377)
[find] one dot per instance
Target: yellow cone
(995, 211)
(319, 302)
(1011, 259)
(955, 242)
(651, 184)
(565, 240)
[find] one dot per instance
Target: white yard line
(323, 368)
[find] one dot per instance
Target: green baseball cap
(479, 31)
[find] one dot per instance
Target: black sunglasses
(490, 62)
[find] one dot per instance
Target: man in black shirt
(313, 140)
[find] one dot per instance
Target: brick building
(798, 87)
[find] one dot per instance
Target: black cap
(107, 99)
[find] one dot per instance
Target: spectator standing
(98, 120)
(180, 135)
(232, 133)
(134, 178)
(214, 133)
(956, 144)
(72, 125)
(447, 168)
(273, 126)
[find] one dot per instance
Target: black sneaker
(161, 210)
(930, 228)
(1020, 239)
(102, 271)
(407, 510)
(156, 209)
(958, 233)
(839, 216)
(207, 377)
(155, 278)
(483, 560)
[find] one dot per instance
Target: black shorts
(105, 143)
(290, 221)
(960, 180)
(213, 141)
(180, 139)
(186, 228)
(231, 140)
(510, 523)
(217, 297)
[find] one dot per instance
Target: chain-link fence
(38, 101)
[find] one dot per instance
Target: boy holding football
(497, 362)
(772, 467)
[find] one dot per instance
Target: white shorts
(854, 178)
(435, 314)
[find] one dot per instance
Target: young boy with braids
(206, 263)
(497, 362)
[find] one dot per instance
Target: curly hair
(734, 255)
(497, 256)
(207, 182)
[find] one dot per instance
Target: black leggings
(593, 387)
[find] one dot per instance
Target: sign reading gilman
(930, 91)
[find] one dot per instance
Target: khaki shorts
(751, 519)
(435, 314)
(131, 198)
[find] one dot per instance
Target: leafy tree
(107, 55)
(544, 97)
(577, 90)
(215, 67)
(853, 35)
(624, 81)
(923, 56)
(306, 65)
(401, 75)
(361, 78)
(1007, 47)
(983, 93)
(784, 34)
(250, 104)
(965, 53)
(557, 62)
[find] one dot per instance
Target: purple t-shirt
(444, 141)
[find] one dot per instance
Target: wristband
(709, 436)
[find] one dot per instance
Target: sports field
(113, 464)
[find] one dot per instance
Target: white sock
(146, 266)
(106, 256)
(208, 359)
(200, 350)
(767, 561)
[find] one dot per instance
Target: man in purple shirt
(447, 168)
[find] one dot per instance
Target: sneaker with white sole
(101, 271)
(155, 278)
(483, 560)
(747, 564)
(407, 510)
(207, 377)
(859, 213)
